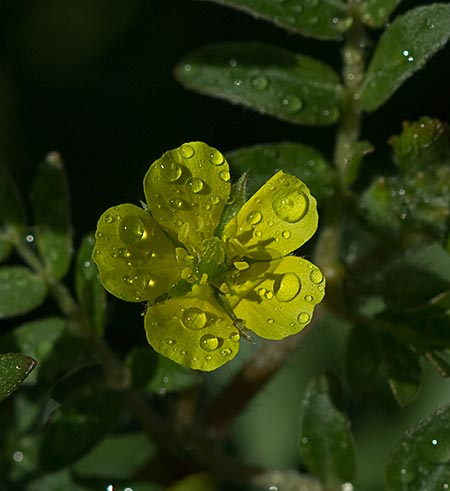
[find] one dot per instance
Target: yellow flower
(207, 284)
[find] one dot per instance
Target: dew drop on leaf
(132, 229)
(194, 184)
(287, 287)
(260, 82)
(290, 206)
(437, 449)
(194, 318)
(209, 342)
(292, 103)
(254, 217)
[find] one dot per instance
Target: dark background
(93, 79)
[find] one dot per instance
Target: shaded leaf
(326, 442)
(56, 481)
(325, 19)
(421, 460)
(37, 339)
(171, 377)
(21, 291)
(195, 482)
(267, 79)
(5, 249)
(238, 196)
(404, 48)
(89, 290)
(376, 12)
(83, 421)
(358, 152)
(262, 161)
(51, 211)
(14, 369)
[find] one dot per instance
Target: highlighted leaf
(51, 211)
(186, 191)
(279, 218)
(135, 258)
(326, 19)
(404, 48)
(21, 291)
(270, 80)
(14, 369)
(192, 330)
(277, 298)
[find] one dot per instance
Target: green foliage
(87, 404)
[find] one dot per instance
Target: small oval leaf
(325, 19)
(404, 48)
(268, 79)
(376, 12)
(14, 369)
(21, 291)
(51, 211)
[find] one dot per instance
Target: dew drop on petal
(316, 276)
(268, 295)
(308, 298)
(303, 317)
(176, 204)
(216, 158)
(209, 342)
(109, 219)
(169, 341)
(224, 175)
(235, 336)
(254, 217)
(258, 234)
(286, 234)
(208, 357)
(215, 200)
(170, 171)
(132, 229)
(194, 318)
(225, 352)
(187, 151)
(290, 206)
(270, 321)
(287, 287)
(194, 184)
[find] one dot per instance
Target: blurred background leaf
(14, 368)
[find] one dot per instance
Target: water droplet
(258, 234)
(437, 450)
(270, 321)
(262, 292)
(316, 276)
(303, 317)
(268, 295)
(407, 55)
(194, 318)
(226, 352)
(290, 206)
(128, 279)
(215, 200)
(208, 357)
(238, 82)
(187, 151)
(169, 341)
(170, 171)
(254, 217)
(182, 352)
(292, 103)
(235, 336)
(194, 184)
(132, 229)
(216, 157)
(286, 234)
(209, 342)
(260, 82)
(287, 287)
(176, 204)
(109, 219)
(308, 298)
(232, 62)
(406, 475)
(224, 175)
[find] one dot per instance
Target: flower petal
(135, 258)
(279, 218)
(276, 298)
(192, 330)
(186, 191)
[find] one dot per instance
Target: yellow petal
(276, 298)
(192, 330)
(135, 258)
(186, 191)
(279, 218)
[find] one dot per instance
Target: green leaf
(404, 48)
(238, 196)
(195, 482)
(14, 369)
(51, 211)
(5, 249)
(268, 79)
(56, 481)
(261, 161)
(12, 210)
(326, 442)
(21, 291)
(89, 290)
(116, 457)
(402, 368)
(37, 339)
(325, 19)
(376, 12)
(84, 419)
(358, 152)
(421, 460)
